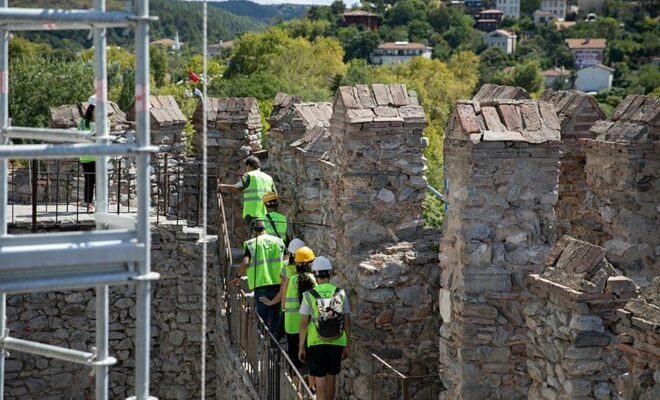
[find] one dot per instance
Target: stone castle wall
(501, 160)
(67, 319)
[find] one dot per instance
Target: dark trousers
(89, 171)
(270, 314)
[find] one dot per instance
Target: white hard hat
(92, 100)
(294, 245)
(321, 264)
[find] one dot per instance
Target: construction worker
(254, 185)
(88, 163)
(262, 261)
(276, 222)
(325, 323)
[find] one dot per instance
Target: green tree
(491, 61)
(406, 11)
(528, 76)
(39, 83)
(158, 63)
(357, 43)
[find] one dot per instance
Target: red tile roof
(580, 44)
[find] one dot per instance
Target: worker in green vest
(254, 184)
(88, 163)
(262, 263)
(276, 222)
(325, 323)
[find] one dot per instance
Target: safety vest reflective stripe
(253, 204)
(292, 306)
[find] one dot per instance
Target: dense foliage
(265, 13)
(173, 15)
(314, 55)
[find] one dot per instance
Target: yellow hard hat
(270, 196)
(304, 254)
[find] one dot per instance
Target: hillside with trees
(312, 56)
(173, 16)
(267, 13)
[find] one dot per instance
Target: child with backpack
(325, 323)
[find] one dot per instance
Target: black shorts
(324, 359)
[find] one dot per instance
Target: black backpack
(330, 324)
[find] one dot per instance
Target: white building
(587, 51)
(557, 7)
(399, 52)
(502, 39)
(541, 17)
(510, 8)
(594, 78)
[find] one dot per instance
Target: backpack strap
(272, 223)
(315, 294)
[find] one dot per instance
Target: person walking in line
(276, 222)
(262, 262)
(254, 184)
(86, 123)
(325, 323)
(288, 271)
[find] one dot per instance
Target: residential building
(500, 38)
(552, 75)
(557, 7)
(221, 48)
(587, 51)
(362, 18)
(541, 17)
(594, 78)
(399, 52)
(489, 20)
(510, 8)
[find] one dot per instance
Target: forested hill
(265, 13)
(186, 17)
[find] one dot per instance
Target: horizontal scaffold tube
(12, 18)
(46, 350)
(50, 151)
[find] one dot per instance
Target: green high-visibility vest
(84, 126)
(276, 224)
(266, 262)
(325, 291)
(253, 195)
(292, 305)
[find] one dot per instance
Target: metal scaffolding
(118, 251)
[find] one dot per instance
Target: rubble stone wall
(576, 212)
(67, 319)
(373, 186)
(622, 165)
(234, 132)
(297, 139)
(571, 352)
(501, 160)
(638, 330)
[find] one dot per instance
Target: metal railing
(387, 383)
(265, 360)
(46, 193)
(271, 371)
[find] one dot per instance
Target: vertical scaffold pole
(4, 119)
(144, 235)
(101, 131)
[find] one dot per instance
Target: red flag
(193, 77)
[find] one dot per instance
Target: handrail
(435, 192)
